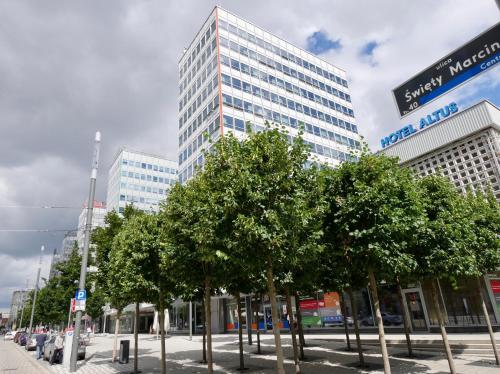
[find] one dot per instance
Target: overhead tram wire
(35, 230)
(42, 206)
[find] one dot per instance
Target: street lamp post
(86, 240)
(36, 291)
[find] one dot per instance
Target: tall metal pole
(190, 320)
(86, 240)
(36, 291)
(23, 296)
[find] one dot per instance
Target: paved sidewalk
(15, 359)
(325, 354)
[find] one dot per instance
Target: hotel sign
(466, 62)
(426, 121)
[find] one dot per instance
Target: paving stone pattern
(325, 354)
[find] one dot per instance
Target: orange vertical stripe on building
(219, 69)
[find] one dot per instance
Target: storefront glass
(462, 304)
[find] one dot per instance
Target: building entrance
(416, 309)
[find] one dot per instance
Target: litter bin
(124, 351)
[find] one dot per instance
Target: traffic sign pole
(88, 228)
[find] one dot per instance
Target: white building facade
(98, 214)
(235, 72)
(140, 179)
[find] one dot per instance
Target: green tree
(102, 240)
(135, 267)
(270, 201)
(191, 220)
(484, 213)
(445, 249)
(379, 207)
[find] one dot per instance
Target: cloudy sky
(69, 68)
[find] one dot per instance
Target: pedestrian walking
(40, 342)
(58, 348)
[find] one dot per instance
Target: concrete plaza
(325, 353)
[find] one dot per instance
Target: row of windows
(139, 188)
(200, 81)
(284, 85)
(199, 101)
(283, 101)
(280, 52)
(284, 69)
(239, 125)
(209, 109)
(466, 164)
(196, 82)
(189, 170)
(153, 167)
(139, 199)
(196, 51)
(286, 120)
(199, 140)
(147, 177)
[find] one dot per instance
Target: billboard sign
(468, 61)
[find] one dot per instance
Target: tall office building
(98, 214)
(235, 72)
(140, 179)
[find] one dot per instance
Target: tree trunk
(356, 327)
(204, 359)
(115, 342)
(406, 317)
(208, 322)
(240, 331)
(292, 330)
(280, 368)
(344, 317)
(136, 339)
(488, 322)
(162, 334)
(302, 342)
(380, 323)
(446, 344)
(257, 330)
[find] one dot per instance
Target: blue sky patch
(319, 43)
(368, 48)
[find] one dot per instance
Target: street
(323, 352)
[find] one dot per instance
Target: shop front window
(461, 305)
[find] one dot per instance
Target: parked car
(49, 349)
(9, 335)
(388, 319)
(18, 336)
(23, 339)
(31, 343)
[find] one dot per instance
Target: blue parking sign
(81, 295)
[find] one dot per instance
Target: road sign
(80, 305)
(468, 61)
(73, 305)
(81, 295)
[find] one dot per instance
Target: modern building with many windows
(235, 73)
(140, 179)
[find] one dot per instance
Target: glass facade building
(235, 73)
(140, 179)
